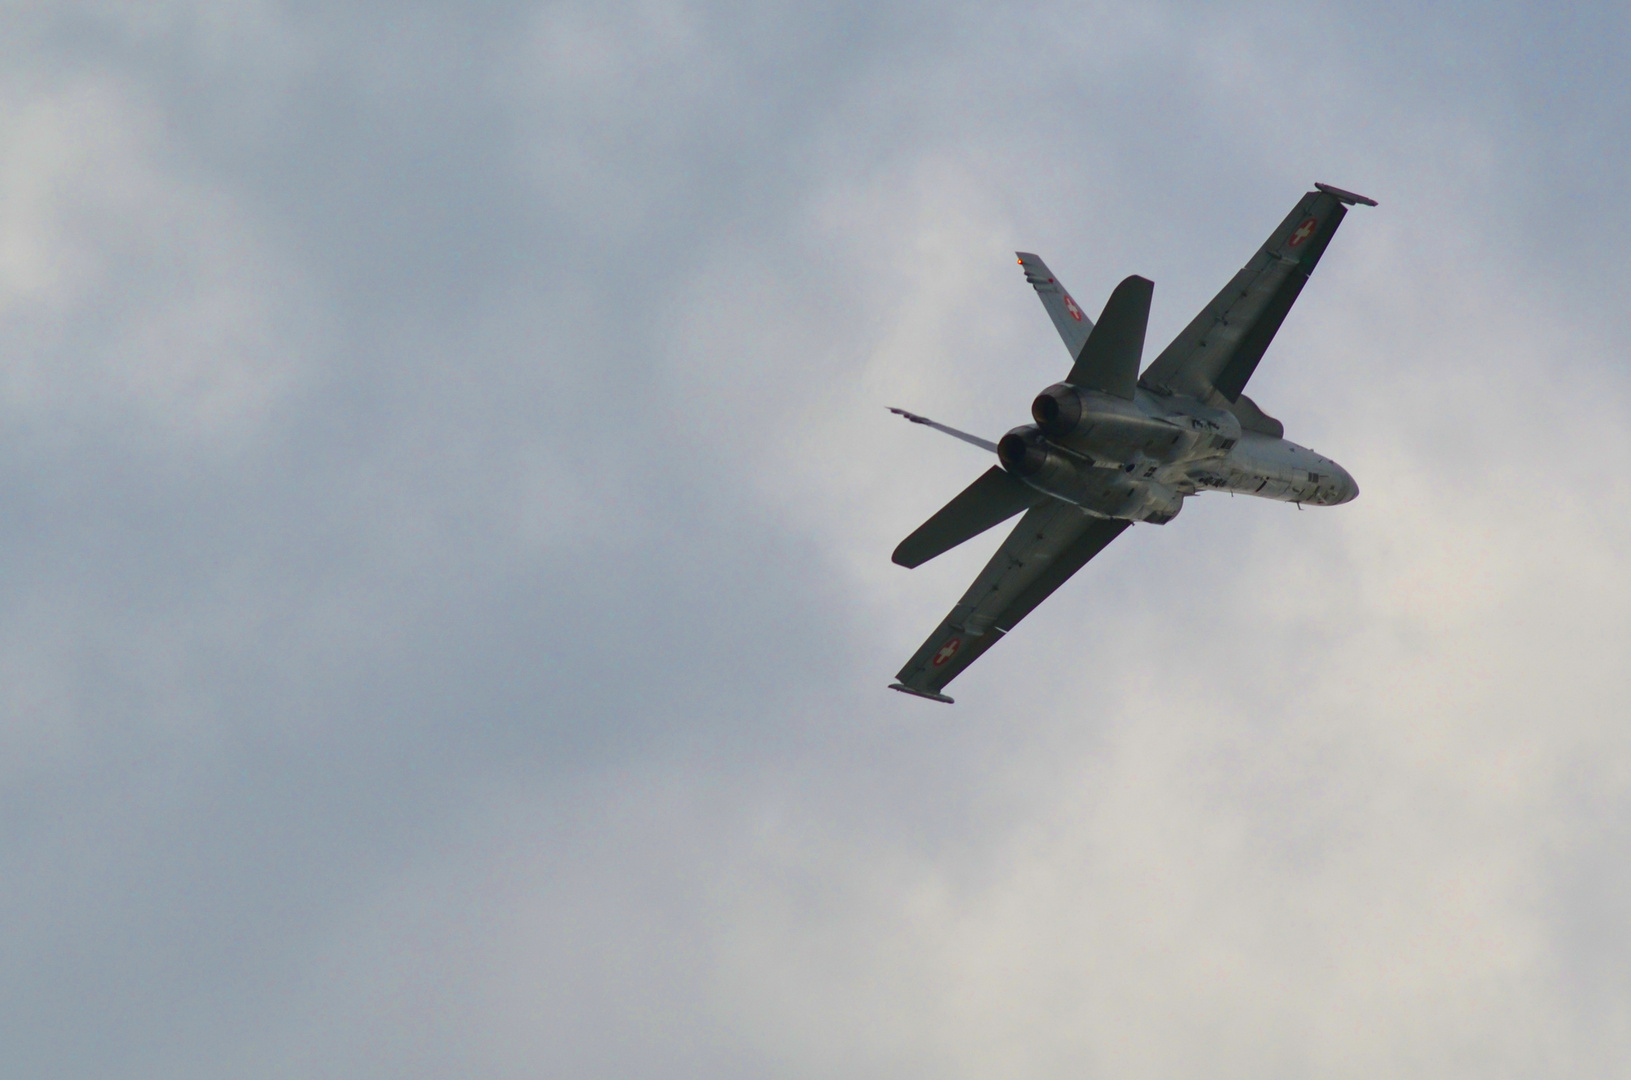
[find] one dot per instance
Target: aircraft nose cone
(1348, 487)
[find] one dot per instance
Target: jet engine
(1058, 410)
(1107, 492)
(1108, 428)
(1026, 454)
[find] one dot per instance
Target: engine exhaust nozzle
(1057, 410)
(1021, 453)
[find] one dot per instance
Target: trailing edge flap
(991, 500)
(1109, 360)
(1067, 315)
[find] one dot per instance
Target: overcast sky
(446, 498)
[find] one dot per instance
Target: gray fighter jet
(1111, 446)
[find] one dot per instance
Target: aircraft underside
(1137, 460)
(1110, 447)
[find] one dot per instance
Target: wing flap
(991, 500)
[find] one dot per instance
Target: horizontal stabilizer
(991, 500)
(1109, 360)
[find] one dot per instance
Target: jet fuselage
(1118, 442)
(1137, 460)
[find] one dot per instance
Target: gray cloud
(448, 509)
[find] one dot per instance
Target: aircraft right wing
(1050, 543)
(1220, 348)
(1067, 315)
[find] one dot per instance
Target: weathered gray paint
(1105, 453)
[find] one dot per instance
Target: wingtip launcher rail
(1345, 196)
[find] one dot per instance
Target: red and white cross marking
(1070, 306)
(1304, 231)
(947, 651)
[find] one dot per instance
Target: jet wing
(1050, 543)
(1220, 349)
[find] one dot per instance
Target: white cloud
(131, 292)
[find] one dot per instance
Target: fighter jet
(1111, 447)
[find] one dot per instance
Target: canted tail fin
(1110, 357)
(1067, 315)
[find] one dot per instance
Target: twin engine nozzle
(1116, 430)
(1024, 451)
(1026, 454)
(1058, 412)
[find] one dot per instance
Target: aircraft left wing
(1050, 543)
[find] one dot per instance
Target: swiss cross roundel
(1302, 232)
(1070, 306)
(947, 651)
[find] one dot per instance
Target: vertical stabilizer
(1067, 315)
(1110, 357)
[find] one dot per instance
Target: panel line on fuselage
(1207, 450)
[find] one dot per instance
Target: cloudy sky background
(447, 503)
